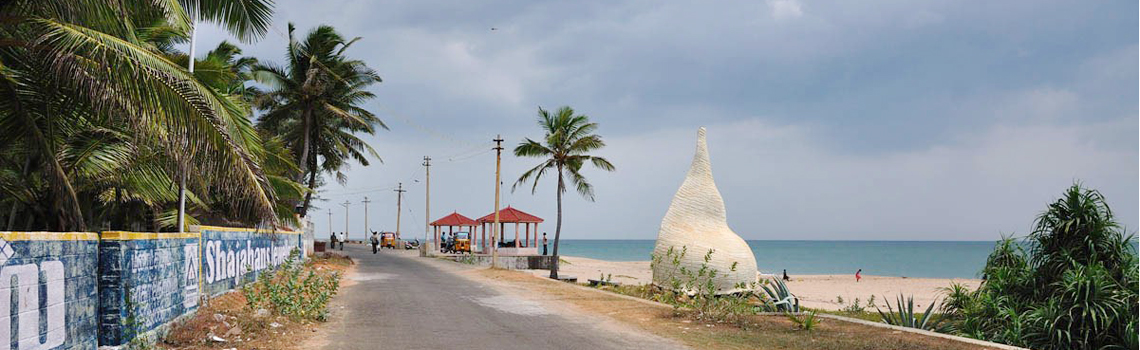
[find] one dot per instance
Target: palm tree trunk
(309, 196)
(557, 226)
(15, 204)
(304, 160)
(64, 193)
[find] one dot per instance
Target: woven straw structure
(696, 220)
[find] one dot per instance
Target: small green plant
(906, 317)
(293, 290)
(856, 307)
(806, 321)
(780, 297)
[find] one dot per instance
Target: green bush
(1071, 284)
(294, 289)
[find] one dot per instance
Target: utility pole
(345, 204)
(427, 199)
(366, 201)
(399, 195)
(182, 167)
(330, 222)
(495, 229)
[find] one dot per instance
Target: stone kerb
(49, 300)
(146, 280)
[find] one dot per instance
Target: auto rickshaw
(462, 243)
(388, 240)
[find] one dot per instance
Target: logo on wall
(25, 280)
(190, 283)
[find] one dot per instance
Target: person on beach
(786, 278)
(375, 241)
(332, 240)
(343, 237)
(544, 243)
(858, 276)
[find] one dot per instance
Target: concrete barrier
(49, 300)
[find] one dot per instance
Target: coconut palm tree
(75, 65)
(314, 102)
(569, 139)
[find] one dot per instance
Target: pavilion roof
(454, 219)
(510, 214)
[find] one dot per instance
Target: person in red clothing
(857, 276)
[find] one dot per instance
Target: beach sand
(814, 291)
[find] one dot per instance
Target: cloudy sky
(867, 120)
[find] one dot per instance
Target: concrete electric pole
(330, 222)
(399, 195)
(345, 204)
(495, 229)
(427, 198)
(366, 230)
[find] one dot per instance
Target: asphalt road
(401, 302)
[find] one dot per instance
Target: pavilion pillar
(529, 243)
(516, 235)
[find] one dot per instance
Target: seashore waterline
(925, 259)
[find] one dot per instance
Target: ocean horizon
(919, 259)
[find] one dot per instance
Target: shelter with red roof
(528, 245)
(451, 221)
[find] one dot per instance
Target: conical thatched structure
(696, 220)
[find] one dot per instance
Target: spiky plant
(906, 316)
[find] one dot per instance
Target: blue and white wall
(81, 290)
(49, 300)
(146, 281)
(234, 256)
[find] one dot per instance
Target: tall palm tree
(314, 102)
(569, 139)
(73, 65)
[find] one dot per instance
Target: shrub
(294, 289)
(1071, 284)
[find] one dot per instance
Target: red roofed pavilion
(512, 215)
(451, 221)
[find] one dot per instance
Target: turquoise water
(884, 258)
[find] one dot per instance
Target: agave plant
(906, 317)
(780, 297)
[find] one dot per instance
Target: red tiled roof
(509, 214)
(454, 219)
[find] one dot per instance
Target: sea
(930, 259)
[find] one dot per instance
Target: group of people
(336, 237)
(858, 274)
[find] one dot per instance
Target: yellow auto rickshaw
(388, 240)
(462, 243)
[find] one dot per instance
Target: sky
(827, 120)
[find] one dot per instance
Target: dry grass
(762, 332)
(229, 317)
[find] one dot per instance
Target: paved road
(401, 302)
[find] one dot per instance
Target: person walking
(858, 276)
(343, 237)
(332, 240)
(375, 241)
(544, 243)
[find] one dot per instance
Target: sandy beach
(815, 291)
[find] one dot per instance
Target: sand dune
(816, 291)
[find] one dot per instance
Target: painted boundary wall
(81, 290)
(233, 256)
(48, 300)
(146, 280)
